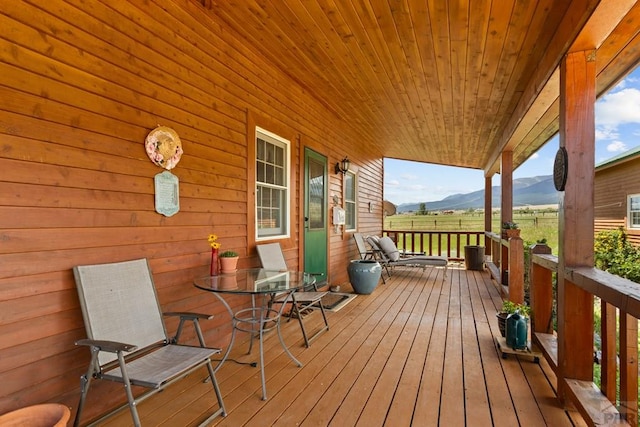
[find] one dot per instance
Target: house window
(633, 204)
(350, 201)
(272, 185)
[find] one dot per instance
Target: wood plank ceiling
(445, 82)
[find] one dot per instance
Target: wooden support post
(488, 214)
(541, 293)
(516, 270)
(506, 205)
(506, 182)
(576, 229)
(629, 368)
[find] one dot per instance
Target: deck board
(418, 351)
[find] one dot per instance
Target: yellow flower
(212, 239)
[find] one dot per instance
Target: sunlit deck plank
(476, 399)
(418, 351)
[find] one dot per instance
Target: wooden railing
(506, 265)
(447, 243)
(620, 299)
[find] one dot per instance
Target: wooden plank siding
(418, 351)
(81, 86)
(612, 185)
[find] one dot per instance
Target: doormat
(334, 301)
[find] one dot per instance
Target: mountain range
(538, 190)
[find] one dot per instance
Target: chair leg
(222, 411)
(85, 383)
(127, 389)
(299, 316)
(307, 339)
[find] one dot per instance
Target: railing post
(516, 270)
(540, 292)
(629, 367)
(609, 350)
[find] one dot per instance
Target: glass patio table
(265, 287)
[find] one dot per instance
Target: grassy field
(534, 226)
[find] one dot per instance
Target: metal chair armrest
(110, 346)
(188, 315)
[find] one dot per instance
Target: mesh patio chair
(272, 258)
(361, 244)
(127, 337)
(388, 255)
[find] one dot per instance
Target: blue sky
(617, 130)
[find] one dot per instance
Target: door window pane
(316, 195)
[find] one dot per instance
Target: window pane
(634, 211)
(350, 205)
(272, 185)
(349, 188)
(350, 216)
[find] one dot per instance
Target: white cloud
(606, 133)
(409, 177)
(616, 147)
(618, 108)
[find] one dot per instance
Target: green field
(534, 226)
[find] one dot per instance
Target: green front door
(315, 214)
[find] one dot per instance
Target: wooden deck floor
(419, 351)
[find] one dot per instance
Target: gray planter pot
(364, 275)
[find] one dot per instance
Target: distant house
(617, 194)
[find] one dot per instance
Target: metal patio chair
(272, 258)
(127, 337)
(388, 255)
(361, 244)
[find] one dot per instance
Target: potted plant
(510, 229)
(510, 307)
(228, 261)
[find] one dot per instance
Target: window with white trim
(350, 203)
(272, 185)
(633, 210)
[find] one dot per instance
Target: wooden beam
(577, 137)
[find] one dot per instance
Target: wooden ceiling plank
(427, 72)
(513, 73)
(439, 16)
(563, 36)
(359, 20)
(413, 77)
(459, 18)
(493, 51)
(477, 37)
(372, 42)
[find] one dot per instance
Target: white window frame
(353, 203)
(285, 209)
(633, 215)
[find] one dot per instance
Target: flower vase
(214, 262)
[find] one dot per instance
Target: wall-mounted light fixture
(343, 166)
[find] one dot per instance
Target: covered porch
(420, 350)
(468, 84)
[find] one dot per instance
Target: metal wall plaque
(560, 169)
(167, 193)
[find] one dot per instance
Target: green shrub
(614, 253)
